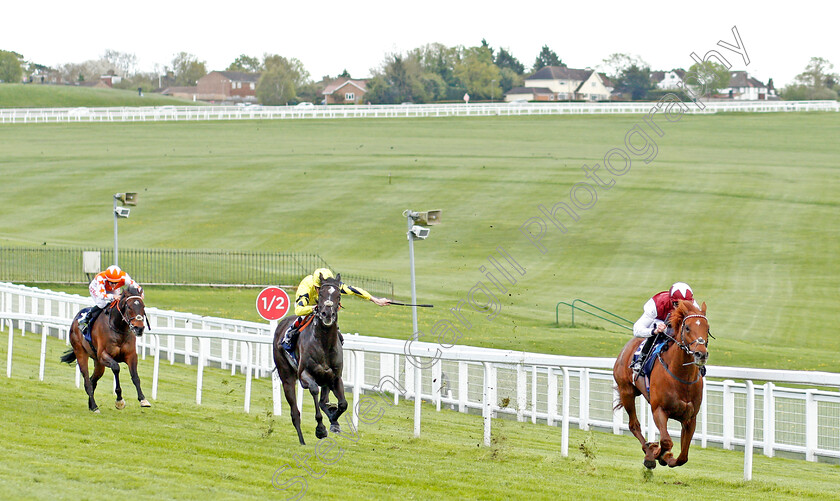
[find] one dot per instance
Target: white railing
(550, 389)
(173, 113)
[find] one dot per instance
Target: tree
(711, 75)
(246, 64)
(478, 74)
(547, 57)
(400, 79)
(10, 68)
(505, 59)
(614, 64)
(280, 81)
(123, 63)
(635, 81)
(188, 69)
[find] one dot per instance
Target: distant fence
(173, 113)
(174, 267)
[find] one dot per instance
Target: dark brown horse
(114, 336)
(676, 385)
(320, 360)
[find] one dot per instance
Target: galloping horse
(321, 360)
(676, 385)
(114, 337)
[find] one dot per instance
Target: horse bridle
(329, 303)
(136, 317)
(687, 347)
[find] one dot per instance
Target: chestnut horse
(114, 336)
(320, 360)
(676, 385)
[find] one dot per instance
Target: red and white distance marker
(273, 303)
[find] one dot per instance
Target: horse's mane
(132, 290)
(683, 309)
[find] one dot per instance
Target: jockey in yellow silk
(306, 298)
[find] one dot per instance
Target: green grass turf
(54, 448)
(744, 207)
(69, 96)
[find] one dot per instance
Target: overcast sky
(330, 36)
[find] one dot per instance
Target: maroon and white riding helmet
(680, 291)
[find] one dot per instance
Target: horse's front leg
(131, 361)
(334, 412)
(660, 417)
(685, 442)
(315, 390)
(98, 371)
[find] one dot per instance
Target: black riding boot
(87, 321)
(643, 356)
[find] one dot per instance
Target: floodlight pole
(418, 386)
(116, 261)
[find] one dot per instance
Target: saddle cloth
(651, 359)
(86, 332)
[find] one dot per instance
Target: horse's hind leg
(291, 398)
(98, 370)
(627, 397)
(685, 442)
(315, 390)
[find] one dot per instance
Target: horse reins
(684, 347)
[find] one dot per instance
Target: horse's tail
(69, 357)
(618, 405)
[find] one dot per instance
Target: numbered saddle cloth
(84, 312)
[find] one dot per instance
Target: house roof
(742, 79)
(342, 82)
(560, 73)
(529, 90)
(658, 76)
(239, 76)
(599, 75)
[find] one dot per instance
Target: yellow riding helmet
(322, 272)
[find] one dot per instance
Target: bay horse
(113, 340)
(676, 383)
(320, 360)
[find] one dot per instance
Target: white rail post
(769, 419)
(437, 383)
(396, 377)
(199, 371)
(463, 385)
(486, 403)
(749, 431)
(170, 322)
(9, 353)
(564, 441)
(248, 371)
(551, 397)
(728, 414)
(704, 418)
(534, 394)
(276, 392)
(521, 387)
(358, 368)
(156, 367)
(78, 376)
(584, 400)
(811, 425)
(418, 398)
(44, 331)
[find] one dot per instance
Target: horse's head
(691, 330)
(133, 310)
(329, 300)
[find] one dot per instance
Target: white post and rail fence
(795, 413)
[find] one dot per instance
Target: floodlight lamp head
(122, 212)
(419, 232)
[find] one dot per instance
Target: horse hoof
(320, 432)
(120, 404)
(145, 403)
(96, 411)
(650, 464)
(335, 428)
(662, 462)
(332, 407)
